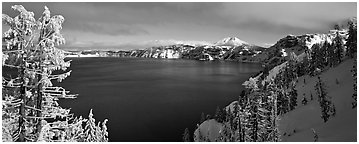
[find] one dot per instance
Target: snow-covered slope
(342, 127)
(297, 125)
(210, 129)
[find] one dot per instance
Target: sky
(120, 25)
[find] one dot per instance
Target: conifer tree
(293, 98)
(326, 106)
(311, 96)
(338, 49)
(30, 109)
(314, 60)
(354, 96)
(336, 27)
(315, 135)
(304, 100)
(203, 118)
(331, 55)
(351, 43)
(325, 53)
(185, 137)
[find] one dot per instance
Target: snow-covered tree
(292, 98)
(304, 100)
(219, 115)
(203, 118)
(317, 58)
(30, 108)
(273, 131)
(354, 96)
(185, 137)
(326, 106)
(351, 43)
(338, 49)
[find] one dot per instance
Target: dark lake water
(152, 99)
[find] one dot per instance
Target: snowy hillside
(289, 101)
(297, 125)
(303, 119)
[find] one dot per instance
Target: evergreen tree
(311, 96)
(185, 137)
(326, 106)
(304, 100)
(283, 103)
(315, 61)
(325, 53)
(336, 27)
(293, 98)
(354, 96)
(338, 49)
(93, 132)
(274, 132)
(351, 43)
(315, 135)
(30, 109)
(203, 118)
(331, 55)
(219, 115)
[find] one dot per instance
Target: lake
(152, 99)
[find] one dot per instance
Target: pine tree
(93, 132)
(315, 61)
(325, 53)
(326, 106)
(338, 49)
(185, 137)
(315, 135)
(30, 109)
(203, 118)
(336, 27)
(274, 134)
(218, 116)
(331, 55)
(293, 98)
(354, 96)
(304, 100)
(351, 43)
(311, 96)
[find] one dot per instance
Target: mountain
(231, 41)
(157, 43)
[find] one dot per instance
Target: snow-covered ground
(210, 129)
(342, 127)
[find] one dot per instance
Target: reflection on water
(151, 99)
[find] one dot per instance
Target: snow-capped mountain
(231, 41)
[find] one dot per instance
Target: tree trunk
(39, 105)
(22, 108)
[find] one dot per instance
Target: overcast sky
(131, 25)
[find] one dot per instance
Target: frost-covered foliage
(30, 111)
(255, 118)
